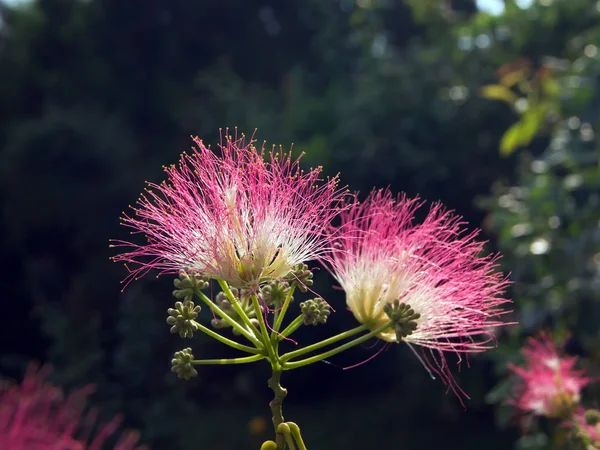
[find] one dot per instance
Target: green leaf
(512, 78)
(498, 92)
(521, 133)
(550, 86)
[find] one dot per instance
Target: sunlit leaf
(550, 86)
(498, 92)
(510, 139)
(521, 133)
(512, 78)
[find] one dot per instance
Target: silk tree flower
(549, 384)
(243, 216)
(35, 415)
(381, 258)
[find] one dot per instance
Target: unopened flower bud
(275, 292)
(315, 311)
(186, 285)
(301, 277)
(218, 323)
(592, 417)
(181, 318)
(181, 364)
(269, 445)
(403, 317)
(223, 302)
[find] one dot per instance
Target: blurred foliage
(547, 219)
(538, 103)
(97, 95)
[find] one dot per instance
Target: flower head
(34, 415)
(428, 277)
(243, 216)
(549, 385)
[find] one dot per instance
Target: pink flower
(549, 385)
(381, 257)
(234, 216)
(35, 416)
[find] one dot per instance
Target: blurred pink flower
(548, 384)
(34, 415)
(242, 216)
(380, 256)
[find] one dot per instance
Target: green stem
(227, 341)
(244, 360)
(296, 323)
(335, 351)
(284, 429)
(248, 335)
(236, 305)
(276, 406)
(281, 313)
(295, 431)
(265, 333)
(320, 344)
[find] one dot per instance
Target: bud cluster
(275, 292)
(315, 311)
(403, 317)
(181, 364)
(182, 317)
(301, 277)
(187, 285)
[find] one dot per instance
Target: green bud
(301, 277)
(218, 323)
(403, 317)
(269, 445)
(592, 417)
(181, 318)
(315, 311)
(186, 285)
(181, 364)
(275, 292)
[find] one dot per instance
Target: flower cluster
(252, 220)
(381, 257)
(244, 216)
(549, 384)
(35, 415)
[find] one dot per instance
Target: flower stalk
(332, 340)
(341, 348)
(265, 334)
(227, 341)
(226, 361)
(243, 331)
(236, 306)
(279, 315)
(276, 406)
(293, 326)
